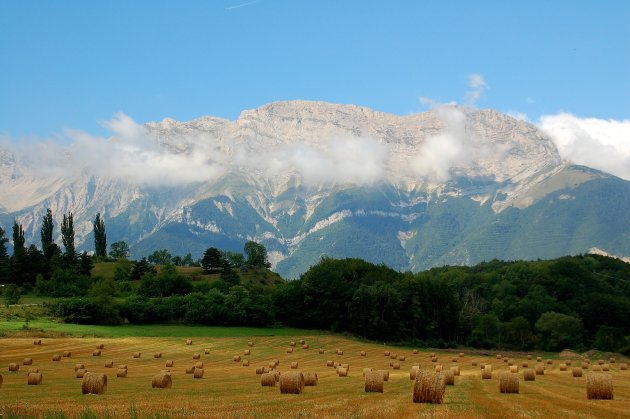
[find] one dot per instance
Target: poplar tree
(67, 235)
(47, 235)
(100, 237)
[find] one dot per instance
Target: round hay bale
(362, 353)
(310, 379)
(30, 370)
(401, 357)
(188, 342)
(605, 367)
(260, 370)
(599, 387)
(438, 368)
(199, 364)
(302, 341)
(454, 359)
(549, 362)
(206, 351)
(66, 354)
(514, 369)
(94, 383)
(305, 346)
(540, 369)
(277, 362)
(347, 366)
(292, 343)
(385, 374)
(198, 373)
(529, 357)
(109, 364)
(14, 366)
(294, 365)
(329, 363)
(272, 364)
(487, 367)
(34, 378)
(247, 352)
(190, 370)
(157, 355)
(563, 367)
(246, 363)
(268, 380)
(250, 343)
(538, 359)
(486, 374)
(568, 363)
(339, 352)
(577, 372)
(499, 356)
(455, 370)
(391, 363)
(612, 360)
(600, 361)
(321, 351)
(277, 375)
(169, 363)
(198, 356)
(37, 342)
(474, 363)
(623, 366)
(449, 378)
(525, 365)
(413, 372)
(585, 365)
(396, 365)
(508, 383)
(432, 355)
(137, 354)
(290, 350)
(434, 359)
(96, 352)
(291, 383)
(121, 373)
(78, 367)
(162, 380)
(342, 372)
(596, 368)
(461, 354)
(386, 353)
(428, 387)
(373, 382)
(365, 370)
(335, 364)
(80, 373)
(27, 361)
(529, 375)
(56, 358)
(415, 352)
(393, 356)
(122, 367)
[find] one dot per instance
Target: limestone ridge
(307, 179)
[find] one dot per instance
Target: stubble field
(229, 389)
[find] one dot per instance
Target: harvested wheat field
(229, 389)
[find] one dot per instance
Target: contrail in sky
(241, 5)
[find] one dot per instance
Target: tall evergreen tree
(47, 235)
(100, 237)
(4, 258)
(18, 239)
(67, 235)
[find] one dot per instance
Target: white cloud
(477, 86)
(598, 143)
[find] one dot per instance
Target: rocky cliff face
(314, 178)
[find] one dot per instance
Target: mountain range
(307, 179)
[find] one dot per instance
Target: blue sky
(76, 63)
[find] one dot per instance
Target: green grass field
(229, 389)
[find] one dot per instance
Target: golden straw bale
(321, 351)
(339, 352)
(302, 341)
(529, 375)
(190, 370)
(260, 370)
(157, 355)
(250, 343)
(100, 346)
(169, 363)
(577, 372)
(34, 378)
(162, 380)
(396, 365)
(538, 359)
(121, 373)
(294, 365)
(549, 362)
(96, 352)
(37, 342)
(291, 383)
(373, 382)
(599, 386)
(246, 363)
(14, 366)
(347, 366)
(277, 362)
(508, 383)
(387, 353)
(335, 364)
(199, 364)
(27, 361)
(329, 363)
(237, 358)
(612, 360)
(247, 352)
(585, 365)
(78, 367)
(486, 374)
(529, 357)
(449, 378)
(600, 361)
(487, 366)
(268, 380)
(514, 368)
(366, 370)
(438, 368)
(525, 365)
(455, 370)
(30, 370)
(596, 368)
(109, 364)
(342, 372)
(434, 359)
(393, 356)
(567, 363)
(385, 374)
(198, 373)
(623, 366)
(292, 343)
(540, 369)
(80, 373)
(413, 372)
(206, 351)
(429, 387)
(272, 364)
(461, 354)
(66, 354)
(122, 367)
(290, 350)
(499, 356)
(94, 383)
(474, 363)
(305, 346)
(401, 357)
(310, 379)
(56, 358)
(189, 342)
(364, 354)
(196, 356)
(137, 354)
(415, 351)
(605, 367)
